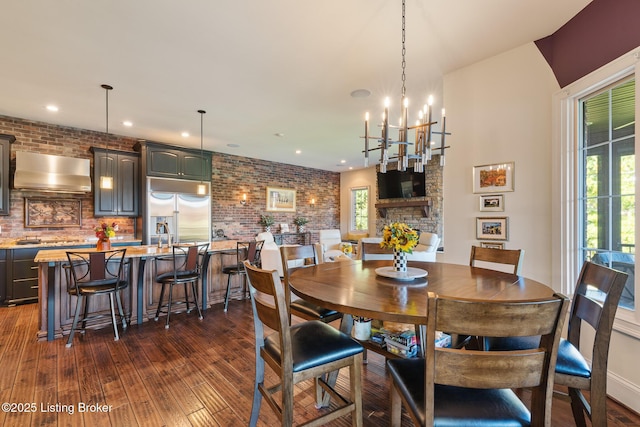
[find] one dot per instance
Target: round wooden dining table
(353, 287)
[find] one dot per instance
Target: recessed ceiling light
(52, 108)
(343, 161)
(360, 93)
(185, 134)
(298, 151)
(233, 145)
(279, 134)
(127, 123)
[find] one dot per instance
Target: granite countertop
(53, 242)
(57, 255)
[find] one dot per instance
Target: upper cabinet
(122, 199)
(5, 161)
(174, 162)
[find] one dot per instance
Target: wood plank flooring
(196, 373)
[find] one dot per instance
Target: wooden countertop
(58, 255)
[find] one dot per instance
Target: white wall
(498, 110)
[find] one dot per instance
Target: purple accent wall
(603, 31)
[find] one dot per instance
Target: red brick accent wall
(61, 141)
(234, 176)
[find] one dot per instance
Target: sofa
(424, 251)
(270, 256)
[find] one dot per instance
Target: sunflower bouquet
(398, 236)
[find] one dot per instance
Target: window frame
(352, 207)
(566, 228)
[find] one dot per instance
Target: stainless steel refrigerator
(174, 207)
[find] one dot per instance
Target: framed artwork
(281, 199)
(492, 203)
(494, 178)
(495, 228)
(284, 228)
(492, 245)
(52, 213)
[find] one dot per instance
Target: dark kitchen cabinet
(123, 198)
(174, 162)
(5, 161)
(22, 276)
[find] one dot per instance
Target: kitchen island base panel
(140, 299)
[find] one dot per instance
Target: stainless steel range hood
(44, 172)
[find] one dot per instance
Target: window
(359, 209)
(594, 152)
(607, 180)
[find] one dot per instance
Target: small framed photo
(492, 245)
(492, 203)
(284, 228)
(495, 228)
(281, 199)
(494, 178)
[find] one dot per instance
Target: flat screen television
(401, 185)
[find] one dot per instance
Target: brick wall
(232, 176)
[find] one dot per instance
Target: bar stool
(185, 267)
(245, 251)
(96, 273)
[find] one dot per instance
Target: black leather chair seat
(232, 269)
(99, 287)
(570, 361)
(313, 311)
(182, 276)
(457, 406)
(314, 343)
(511, 343)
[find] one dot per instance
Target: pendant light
(106, 180)
(202, 189)
(423, 130)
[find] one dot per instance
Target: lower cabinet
(22, 276)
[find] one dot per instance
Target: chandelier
(423, 130)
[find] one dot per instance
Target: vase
(103, 244)
(301, 229)
(399, 261)
(267, 228)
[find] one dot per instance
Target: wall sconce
(243, 201)
(313, 203)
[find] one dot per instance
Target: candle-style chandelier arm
(423, 131)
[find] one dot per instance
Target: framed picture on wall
(492, 245)
(281, 199)
(495, 178)
(495, 228)
(492, 203)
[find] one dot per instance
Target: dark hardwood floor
(196, 373)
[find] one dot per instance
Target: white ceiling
(258, 68)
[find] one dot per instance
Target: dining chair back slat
(508, 257)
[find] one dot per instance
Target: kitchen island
(141, 297)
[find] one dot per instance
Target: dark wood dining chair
(184, 268)
(91, 273)
(595, 302)
(298, 306)
(245, 251)
(304, 351)
(473, 387)
(509, 257)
